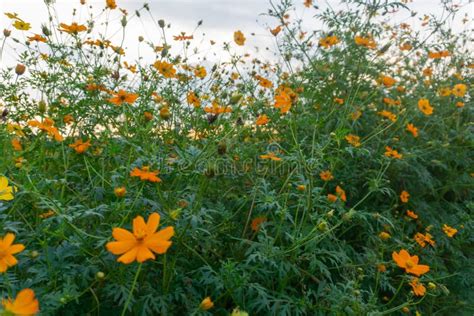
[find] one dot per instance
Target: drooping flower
(37, 38)
(449, 231)
(257, 222)
(404, 196)
(412, 129)
(7, 250)
(409, 263)
(143, 243)
(206, 304)
(326, 175)
(145, 174)
(21, 25)
(354, 140)
(425, 107)
(123, 96)
(422, 240)
(80, 146)
(47, 126)
(24, 304)
(239, 38)
(283, 102)
(418, 288)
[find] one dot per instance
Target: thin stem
(131, 290)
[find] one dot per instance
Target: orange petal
(121, 234)
(10, 260)
(16, 248)
(153, 222)
(138, 225)
(8, 239)
(419, 269)
(144, 254)
(129, 256)
(159, 246)
(164, 234)
(120, 247)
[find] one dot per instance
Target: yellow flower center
(409, 264)
(140, 234)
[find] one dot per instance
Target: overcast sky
(220, 19)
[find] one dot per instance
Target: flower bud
(6, 32)
(20, 69)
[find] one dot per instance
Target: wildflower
(206, 304)
(382, 268)
(412, 214)
(271, 156)
(301, 187)
(356, 115)
(217, 109)
(143, 242)
(283, 102)
(16, 144)
(145, 174)
(425, 107)
(404, 196)
(120, 192)
(387, 81)
(165, 113)
(422, 240)
(438, 55)
(257, 222)
(74, 28)
(264, 82)
(183, 37)
(7, 250)
(406, 46)
(387, 114)
(200, 72)
(428, 72)
(341, 193)
(332, 198)
(412, 129)
(68, 119)
(449, 231)
(460, 104)
(24, 303)
(110, 4)
(262, 120)
(354, 140)
(329, 41)
(192, 99)
(276, 30)
(308, 3)
(384, 235)
(20, 69)
(418, 288)
(459, 90)
(339, 101)
(165, 68)
(148, 116)
(123, 96)
(326, 175)
(239, 38)
(444, 92)
(21, 25)
(80, 146)
(409, 263)
(367, 42)
(47, 214)
(37, 38)
(392, 153)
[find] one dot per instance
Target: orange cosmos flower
(123, 96)
(276, 30)
(200, 72)
(341, 193)
(183, 37)
(68, 119)
(217, 109)
(387, 114)
(404, 196)
(206, 304)
(74, 28)
(440, 54)
(308, 3)
(165, 68)
(412, 214)
(47, 126)
(449, 231)
(111, 4)
(283, 102)
(262, 120)
(120, 192)
(239, 38)
(328, 41)
(392, 153)
(418, 288)
(425, 107)
(193, 99)
(257, 222)
(7, 250)
(145, 174)
(143, 242)
(21, 25)
(387, 81)
(354, 140)
(16, 144)
(412, 129)
(339, 101)
(459, 90)
(80, 146)
(332, 198)
(384, 235)
(264, 82)
(24, 303)
(367, 42)
(422, 240)
(37, 38)
(326, 175)
(409, 263)
(6, 191)
(271, 156)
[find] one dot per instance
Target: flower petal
(129, 256)
(121, 234)
(153, 222)
(120, 247)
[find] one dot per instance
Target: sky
(220, 19)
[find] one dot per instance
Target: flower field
(335, 179)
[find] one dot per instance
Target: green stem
(131, 290)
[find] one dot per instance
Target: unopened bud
(20, 69)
